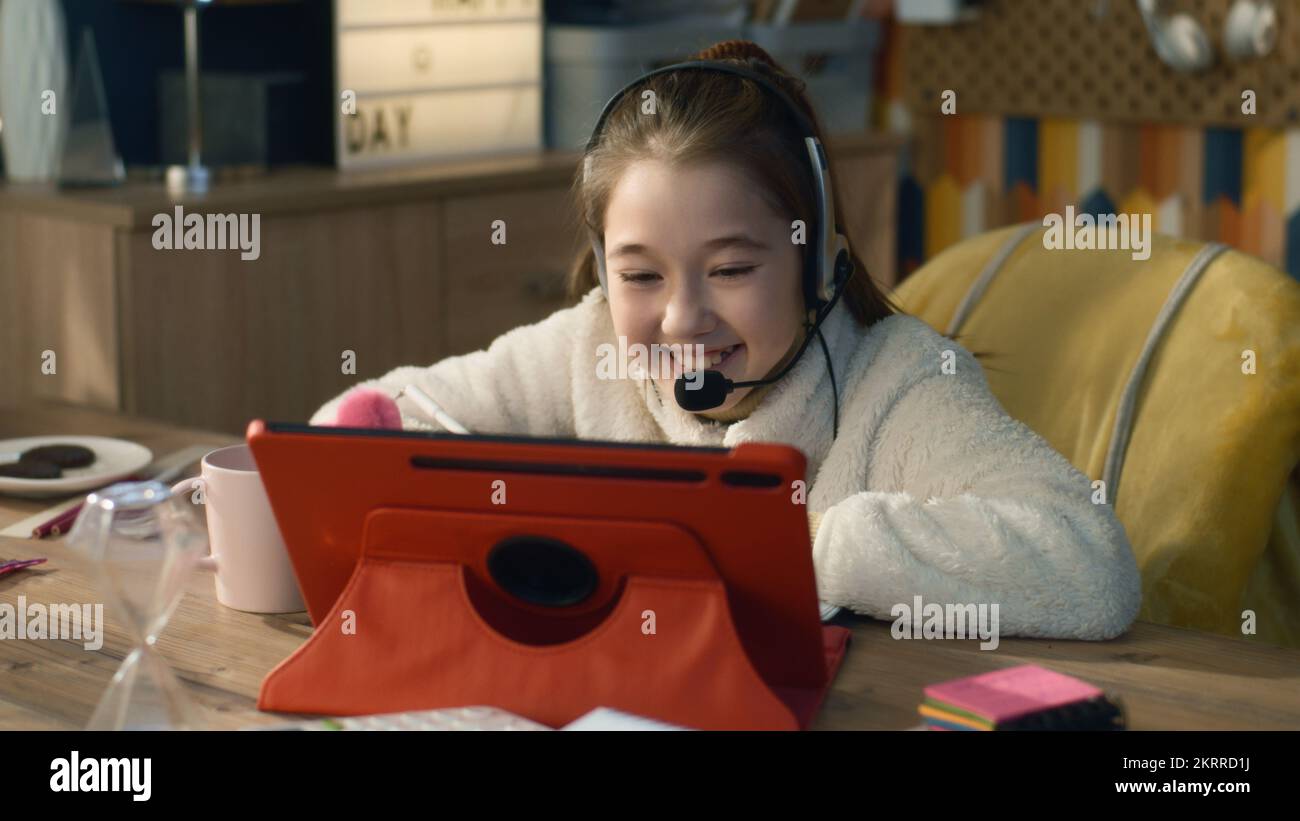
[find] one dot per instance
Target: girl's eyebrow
(731, 240)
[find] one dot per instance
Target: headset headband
(805, 125)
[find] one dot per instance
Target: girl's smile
(714, 358)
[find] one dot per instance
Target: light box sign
(441, 123)
(423, 80)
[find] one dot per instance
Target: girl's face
(695, 255)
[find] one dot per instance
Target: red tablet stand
(547, 578)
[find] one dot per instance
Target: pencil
(59, 525)
(433, 409)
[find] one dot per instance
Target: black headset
(824, 276)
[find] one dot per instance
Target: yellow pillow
(1201, 493)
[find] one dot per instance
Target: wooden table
(1168, 678)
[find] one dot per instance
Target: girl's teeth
(716, 359)
(712, 360)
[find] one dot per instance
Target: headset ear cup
(841, 268)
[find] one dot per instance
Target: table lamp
(194, 176)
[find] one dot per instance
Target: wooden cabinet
(58, 310)
(496, 287)
(395, 267)
(214, 341)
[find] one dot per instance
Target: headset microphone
(711, 391)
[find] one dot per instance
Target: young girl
(926, 489)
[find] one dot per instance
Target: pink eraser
(368, 408)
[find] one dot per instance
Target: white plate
(114, 459)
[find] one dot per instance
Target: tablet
(332, 489)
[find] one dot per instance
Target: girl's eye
(637, 277)
(733, 273)
(642, 277)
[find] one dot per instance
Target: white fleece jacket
(931, 489)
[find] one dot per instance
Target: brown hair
(711, 116)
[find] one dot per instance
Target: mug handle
(184, 486)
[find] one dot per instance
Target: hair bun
(737, 50)
(747, 51)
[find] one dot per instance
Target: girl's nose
(688, 314)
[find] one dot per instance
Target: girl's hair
(703, 116)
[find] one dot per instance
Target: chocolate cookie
(31, 469)
(65, 456)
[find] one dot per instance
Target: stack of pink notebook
(1019, 698)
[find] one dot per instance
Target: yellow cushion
(1202, 490)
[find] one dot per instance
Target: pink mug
(253, 571)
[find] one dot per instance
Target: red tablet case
(704, 613)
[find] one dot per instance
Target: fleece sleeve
(972, 507)
(521, 384)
